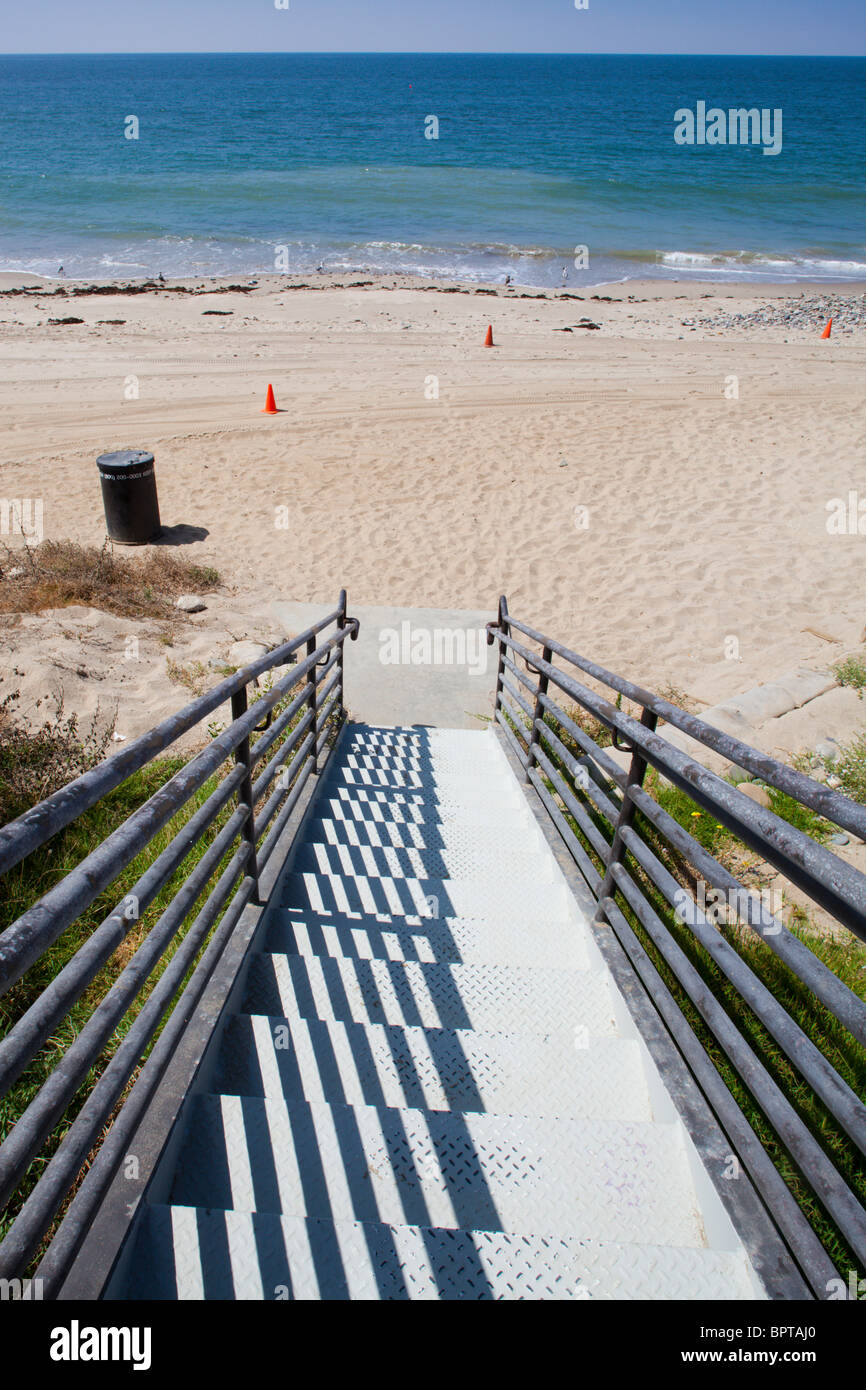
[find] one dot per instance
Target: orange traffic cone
(270, 403)
(488, 341)
(826, 332)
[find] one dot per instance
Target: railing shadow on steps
(295, 718)
(650, 879)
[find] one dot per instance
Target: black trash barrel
(129, 496)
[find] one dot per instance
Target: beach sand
(606, 480)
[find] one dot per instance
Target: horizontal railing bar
(835, 807)
(572, 844)
(327, 700)
(76, 1223)
(842, 1002)
(781, 1204)
(268, 739)
(821, 1174)
(516, 749)
(515, 670)
(23, 1041)
(832, 882)
(290, 772)
(322, 741)
(43, 1112)
(39, 1210)
(516, 696)
(603, 803)
(265, 778)
(520, 730)
(272, 838)
(588, 744)
(30, 830)
(39, 927)
(580, 813)
(798, 1048)
(322, 671)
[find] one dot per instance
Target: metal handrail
(290, 747)
(595, 816)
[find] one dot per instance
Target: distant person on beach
(565, 274)
(508, 279)
(160, 278)
(60, 270)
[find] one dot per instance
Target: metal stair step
(453, 787)
(460, 860)
(439, 1168)
(425, 897)
(522, 837)
(489, 998)
(430, 741)
(432, 1068)
(484, 758)
(381, 809)
(400, 939)
(190, 1253)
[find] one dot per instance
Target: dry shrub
(34, 764)
(56, 574)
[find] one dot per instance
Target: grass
(46, 760)
(852, 671)
(193, 676)
(56, 574)
(850, 767)
(33, 765)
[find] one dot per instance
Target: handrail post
(534, 733)
(636, 774)
(341, 664)
(502, 624)
(245, 792)
(311, 703)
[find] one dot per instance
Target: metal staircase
(428, 1084)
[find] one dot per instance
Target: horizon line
(404, 53)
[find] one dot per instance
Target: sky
(412, 26)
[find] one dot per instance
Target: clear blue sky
(519, 26)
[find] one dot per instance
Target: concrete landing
(412, 666)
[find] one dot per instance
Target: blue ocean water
(325, 155)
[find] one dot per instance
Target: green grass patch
(852, 672)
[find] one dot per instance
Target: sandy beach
(646, 489)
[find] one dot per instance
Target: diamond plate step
(489, 998)
(190, 1253)
(464, 860)
(401, 939)
(431, 1069)
(408, 897)
(439, 1168)
(452, 787)
(367, 807)
(435, 745)
(427, 767)
(523, 837)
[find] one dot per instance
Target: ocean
(248, 163)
